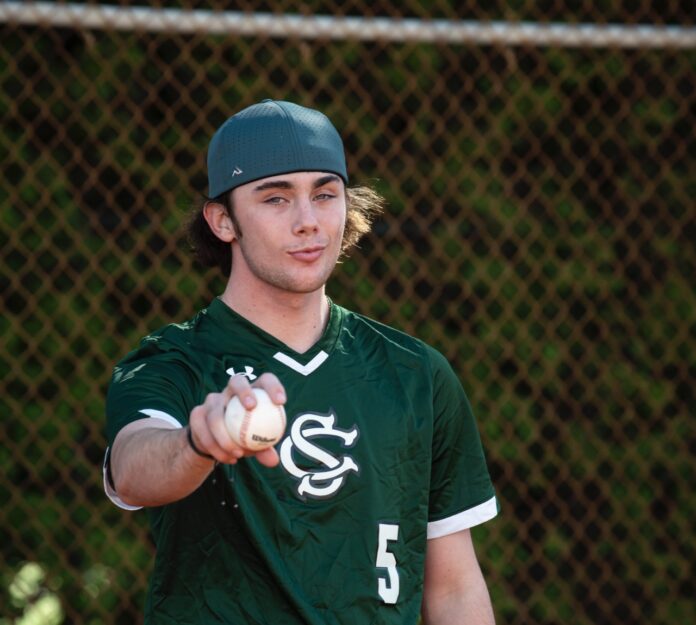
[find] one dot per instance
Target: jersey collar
(228, 319)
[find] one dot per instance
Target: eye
(275, 199)
(324, 195)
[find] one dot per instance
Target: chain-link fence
(540, 232)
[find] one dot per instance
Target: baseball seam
(244, 429)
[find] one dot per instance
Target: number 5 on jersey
(388, 588)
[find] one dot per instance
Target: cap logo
(236, 172)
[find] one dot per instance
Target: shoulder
(170, 343)
(178, 335)
(371, 332)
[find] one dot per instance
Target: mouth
(308, 254)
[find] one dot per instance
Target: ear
(219, 221)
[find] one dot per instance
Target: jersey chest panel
(355, 457)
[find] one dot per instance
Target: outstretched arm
(152, 462)
(455, 592)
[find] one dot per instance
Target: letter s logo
(318, 483)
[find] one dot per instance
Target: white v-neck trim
(305, 370)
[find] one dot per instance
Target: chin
(305, 288)
(310, 285)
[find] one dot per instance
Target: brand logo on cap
(236, 172)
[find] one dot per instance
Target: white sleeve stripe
(463, 520)
(158, 414)
(110, 492)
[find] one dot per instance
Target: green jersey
(381, 452)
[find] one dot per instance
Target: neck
(296, 319)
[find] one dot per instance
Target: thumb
(268, 457)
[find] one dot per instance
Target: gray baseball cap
(270, 138)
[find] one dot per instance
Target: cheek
(263, 233)
(263, 245)
(338, 221)
(258, 240)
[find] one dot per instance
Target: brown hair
(363, 204)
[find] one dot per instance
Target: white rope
(109, 17)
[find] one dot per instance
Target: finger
(239, 385)
(268, 457)
(272, 385)
(210, 433)
(227, 450)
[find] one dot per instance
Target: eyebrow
(284, 184)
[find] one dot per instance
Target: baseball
(255, 429)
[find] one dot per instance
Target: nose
(306, 221)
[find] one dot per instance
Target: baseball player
(362, 513)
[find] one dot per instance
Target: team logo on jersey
(247, 373)
(322, 482)
(123, 376)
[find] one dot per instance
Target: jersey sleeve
(461, 491)
(147, 383)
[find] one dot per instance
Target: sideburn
(229, 209)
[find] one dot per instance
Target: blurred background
(540, 232)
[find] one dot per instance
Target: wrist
(194, 447)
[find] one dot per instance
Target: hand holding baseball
(257, 428)
(225, 424)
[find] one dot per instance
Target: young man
(362, 513)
